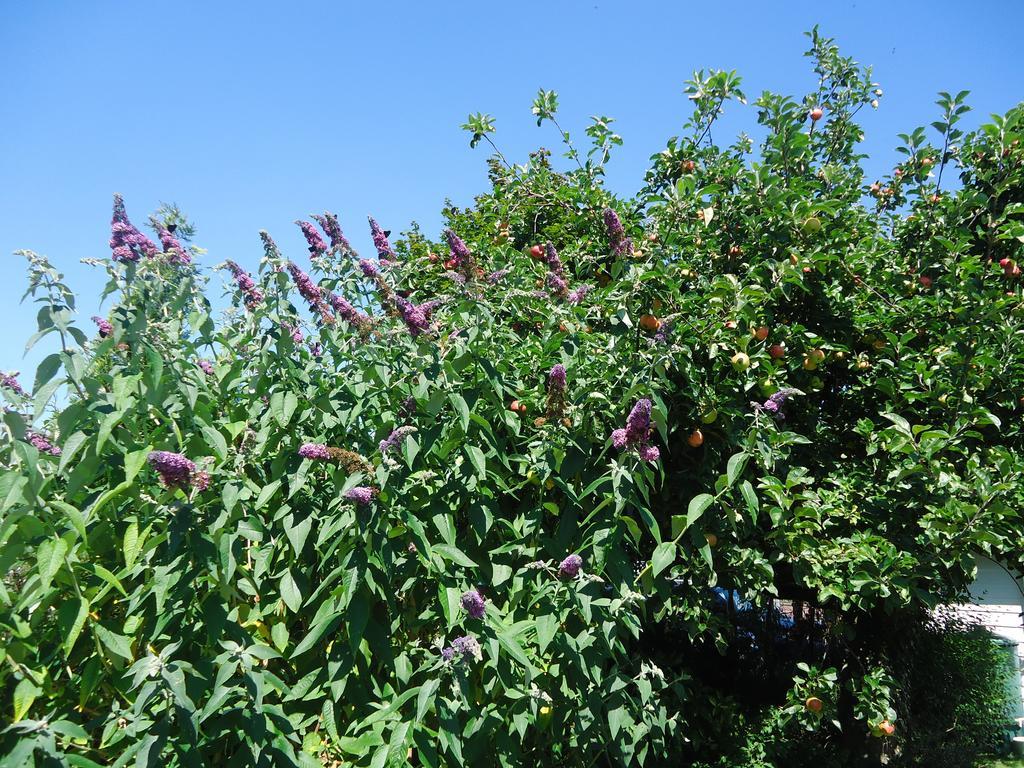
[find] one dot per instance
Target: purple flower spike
(773, 405)
(496, 277)
(206, 366)
(638, 424)
(556, 379)
(251, 295)
(329, 224)
(41, 444)
(621, 245)
(570, 567)
(104, 327)
(127, 243)
(395, 438)
(380, 241)
(577, 295)
(368, 268)
(10, 381)
(317, 246)
(473, 603)
(173, 248)
(636, 435)
(360, 495)
(174, 469)
(314, 451)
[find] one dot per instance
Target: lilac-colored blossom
(773, 405)
(621, 245)
(174, 469)
(41, 444)
(570, 567)
(496, 277)
(314, 451)
(368, 268)
(178, 253)
(578, 294)
(103, 327)
(127, 243)
(206, 366)
(473, 603)
(360, 494)
(636, 435)
(467, 647)
(329, 224)
(557, 285)
(380, 241)
(417, 317)
(317, 246)
(347, 312)
(395, 438)
(10, 381)
(251, 295)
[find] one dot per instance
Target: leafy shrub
(470, 502)
(955, 682)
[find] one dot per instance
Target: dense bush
(955, 682)
(478, 500)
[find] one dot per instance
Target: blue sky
(252, 114)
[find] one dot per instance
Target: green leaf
(115, 643)
(697, 507)
(461, 409)
(664, 555)
(49, 559)
(454, 554)
(290, 592)
(132, 544)
(24, 694)
(476, 458)
(737, 463)
(71, 618)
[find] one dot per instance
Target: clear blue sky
(252, 114)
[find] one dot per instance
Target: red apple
(761, 333)
(816, 114)
(777, 351)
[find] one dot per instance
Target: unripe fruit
(811, 225)
(926, 162)
(735, 250)
(433, 258)
(777, 351)
(887, 728)
(656, 305)
(878, 344)
(514, 406)
(810, 364)
(549, 483)
(816, 114)
(925, 281)
(730, 324)
(813, 704)
(650, 323)
(863, 365)
(695, 439)
(712, 540)
(708, 417)
(818, 355)
(793, 259)
(740, 361)
(761, 333)
(689, 166)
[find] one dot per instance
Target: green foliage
(255, 613)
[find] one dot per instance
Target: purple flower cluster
(461, 258)
(636, 435)
(41, 444)
(311, 292)
(329, 224)
(621, 245)
(317, 246)
(294, 331)
(496, 277)
(347, 312)
(464, 647)
(270, 249)
(773, 405)
(380, 241)
(176, 471)
(570, 567)
(10, 381)
(206, 366)
(664, 332)
(557, 285)
(577, 295)
(417, 317)
(172, 246)
(368, 268)
(395, 438)
(127, 243)
(315, 349)
(555, 406)
(104, 327)
(251, 295)
(473, 603)
(314, 451)
(360, 495)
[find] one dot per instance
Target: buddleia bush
(505, 495)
